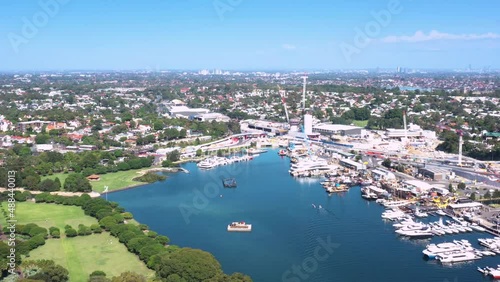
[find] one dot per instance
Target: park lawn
(115, 181)
(48, 215)
(360, 123)
(81, 255)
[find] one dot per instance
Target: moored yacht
(457, 257)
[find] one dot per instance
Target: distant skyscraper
(398, 70)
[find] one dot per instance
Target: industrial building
(434, 173)
(338, 129)
(273, 128)
(211, 117)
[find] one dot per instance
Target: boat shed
(351, 164)
(471, 205)
(434, 173)
(382, 175)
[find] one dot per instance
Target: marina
(289, 228)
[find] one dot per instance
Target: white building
(308, 121)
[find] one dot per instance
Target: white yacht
(434, 250)
(440, 212)
(209, 163)
(310, 166)
(416, 234)
(418, 213)
(393, 204)
(393, 215)
(476, 227)
(457, 257)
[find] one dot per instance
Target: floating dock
(229, 182)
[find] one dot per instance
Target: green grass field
(83, 255)
(80, 255)
(114, 181)
(47, 215)
(360, 123)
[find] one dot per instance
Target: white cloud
(289, 47)
(420, 36)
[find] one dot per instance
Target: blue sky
(248, 34)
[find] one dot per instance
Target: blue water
(287, 230)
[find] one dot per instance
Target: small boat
(314, 206)
(441, 213)
(254, 151)
(495, 274)
(239, 227)
(282, 152)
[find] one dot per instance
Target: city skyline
(244, 35)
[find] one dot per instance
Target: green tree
(450, 188)
(487, 195)
(387, 163)
(189, 264)
(76, 182)
(174, 156)
(461, 186)
(129, 277)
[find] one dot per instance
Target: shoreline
(141, 173)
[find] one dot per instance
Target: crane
(282, 94)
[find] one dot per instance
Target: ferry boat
(239, 227)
